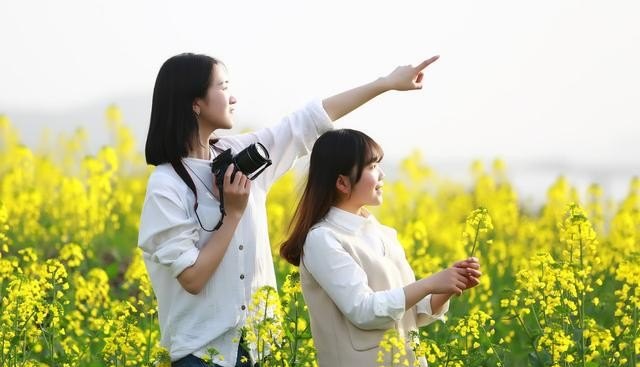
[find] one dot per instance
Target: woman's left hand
(473, 271)
(408, 77)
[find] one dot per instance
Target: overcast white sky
(544, 81)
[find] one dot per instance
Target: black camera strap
(178, 166)
(184, 175)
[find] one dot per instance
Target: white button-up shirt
(171, 237)
(346, 282)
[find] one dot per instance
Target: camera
(248, 161)
(251, 161)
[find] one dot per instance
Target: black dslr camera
(251, 161)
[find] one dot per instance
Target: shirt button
(241, 247)
(243, 307)
(241, 276)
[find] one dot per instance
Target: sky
(547, 85)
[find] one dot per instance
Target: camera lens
(262, 151)
(251, 158)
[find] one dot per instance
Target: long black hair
(174, 126)
(337, 152)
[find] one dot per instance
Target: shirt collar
(349, 221)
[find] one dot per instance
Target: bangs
(367, 152)
(373, 152)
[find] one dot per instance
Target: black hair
(337, 152)
(173, 127)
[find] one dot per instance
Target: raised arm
(403, 78)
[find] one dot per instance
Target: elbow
(192, 286)
(367, 326)
(370, 323)
(192, 289)
(378, 324)
(362, 313)
(424, 319)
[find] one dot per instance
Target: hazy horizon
(531, 177)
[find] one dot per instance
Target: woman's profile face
(216, 109)
(368, 190)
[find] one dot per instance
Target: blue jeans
(193, 361)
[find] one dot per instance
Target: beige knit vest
(340, 343)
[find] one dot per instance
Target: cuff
(424, 307)
(389, 303)
(185, 260)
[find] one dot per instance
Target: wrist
(383, 84)
(426, 286)
(233, 215)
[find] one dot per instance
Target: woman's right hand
(236, 193)
(451, 280)
(408, 77)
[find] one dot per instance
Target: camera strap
(178, 166)
(184, 175)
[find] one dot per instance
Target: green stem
(15, 327)
(582, 299)
(446, 363)
(295, 330)
(492, 346)
(52, 330)
(535, 316)
(148, 338)
(544, 313)
(531, 339)
(635, 333)
(261, 354)
(475, 240)
(126, 339)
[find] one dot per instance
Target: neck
(201, 148)
(352, 208)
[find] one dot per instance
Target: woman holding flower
(355, 277)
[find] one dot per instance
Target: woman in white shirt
(355, 277)
(204, 266)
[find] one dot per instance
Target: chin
(376, 202)
(379, 199)
(226, 125)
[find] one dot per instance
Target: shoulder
(321, 236)
(225, 142)
(324, 242)
(164, 181)
(325, 236)
(319, 232)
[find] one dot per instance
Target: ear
(343, 184)
(196, 106)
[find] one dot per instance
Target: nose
(232, 100)
(381, 173)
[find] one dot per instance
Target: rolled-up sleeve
(347, 285)
(167, 234)
(286, 141)
(426, 315)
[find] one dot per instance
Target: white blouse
(171, 237)
(346, 282)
